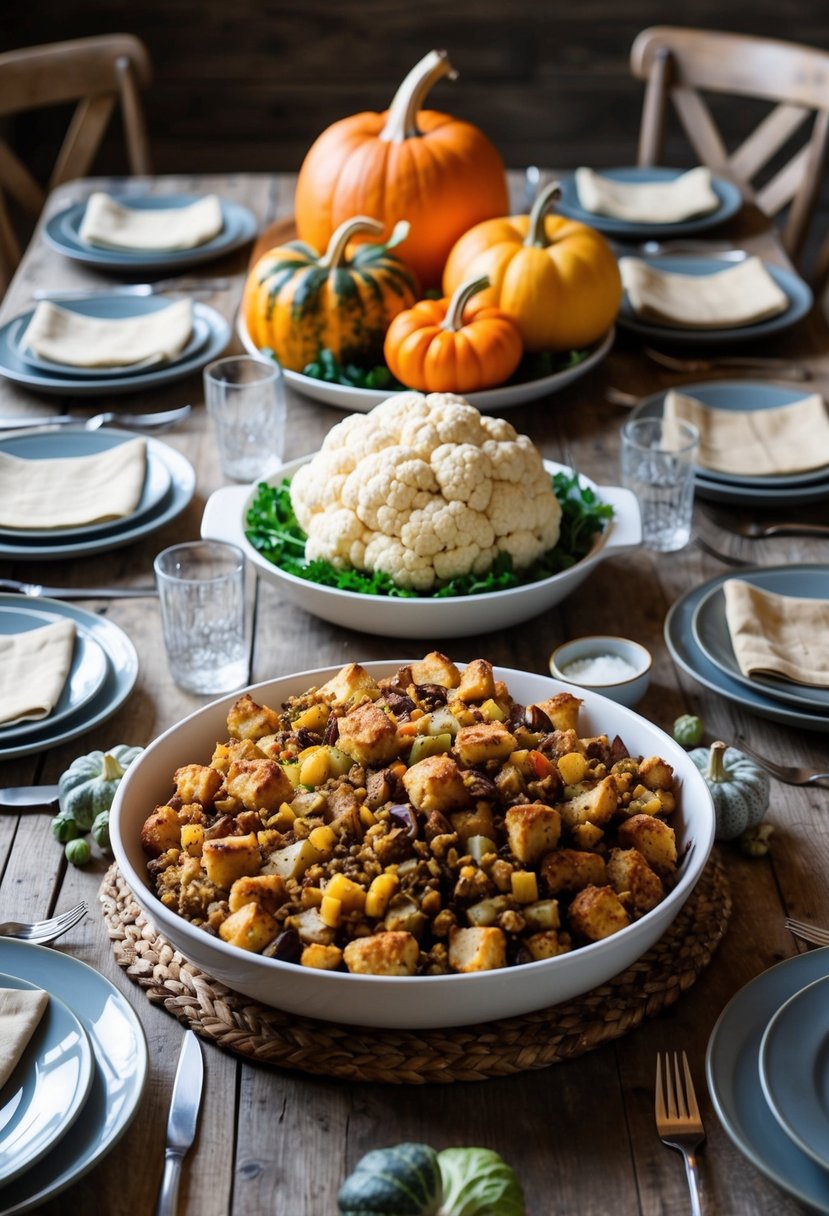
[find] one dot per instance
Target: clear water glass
(658, 456)
(245, 399)
(201, 587)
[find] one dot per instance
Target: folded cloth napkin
(109, 223)
(33, 670)
(70, 491)
(69, 337)
(667, 202)
(757, 443)
(20, 1011)
(781, 635)
(741, 295)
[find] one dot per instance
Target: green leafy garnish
(273, 530)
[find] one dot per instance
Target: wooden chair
(97, 73)
(682, 64)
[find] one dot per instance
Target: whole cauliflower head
(425, 488)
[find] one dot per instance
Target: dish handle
(626, 533)
(223, 514)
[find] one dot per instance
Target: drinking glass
(201, 587)
(658, 466)
(246, 400)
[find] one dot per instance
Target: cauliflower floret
(339, 536)
(387, 487)
(407, 568)
(464, 473)
(319, 487)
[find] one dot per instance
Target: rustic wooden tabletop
(580, 1134)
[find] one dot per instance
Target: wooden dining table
(580, 1134)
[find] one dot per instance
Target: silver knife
(194, 286)
(76, 593)
(21, 796)
(182, 1120)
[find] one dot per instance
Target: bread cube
(231, 857)
(267, 890)
(562, 710)
(547, 944)
(351, 684)
(532, 830)
(435, 668)
(477, 681)
(628, 872)
(571, 870)
(595, 805)
(250, 928)
(596, 913)
(654, 839)
(483, 741)
(656, 774)
(393, 953)
(237, 749)
(248, 720)
(197, 783)
(436, 784)
(477, 822)
(259, 784)
(324, 958)
(477, 949)
(161, 831)
(368, 735)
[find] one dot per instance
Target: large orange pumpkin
(556, 278)
(440, 174)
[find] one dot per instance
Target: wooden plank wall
(248, 84)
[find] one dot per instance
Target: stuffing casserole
(421, 824)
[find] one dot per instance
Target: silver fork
(678, 1120)
(790, 774)
(755, 531)
(809, 933)
(728, 559)
(76, 593)
(160, 421)
(41, 931)
(757, 363)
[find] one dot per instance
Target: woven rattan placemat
(408, 1057)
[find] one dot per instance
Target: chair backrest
(97, 73)
(682, 64)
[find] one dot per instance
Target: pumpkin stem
(537, 231)
(453, 320)
(340, 237)
(716, 768)
(401, 117)
(111, 769)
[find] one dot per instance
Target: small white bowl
(624, 689)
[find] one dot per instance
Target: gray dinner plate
(87, 671)
(687, 654)
(199, 337)
(121, 674)
(14, 367)
(730, 201)
(46, 445)
(119, 1049)
(794, 1069)
(733, 1073)
(798, 293)
(62, 232)
(119, 533)
(714, 640)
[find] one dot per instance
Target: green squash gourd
(88, 786)
(739, 788)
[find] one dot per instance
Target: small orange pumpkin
(439, 173)
(445, 346)
(556, 278)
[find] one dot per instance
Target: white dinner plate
(361, 400)
(119, 532)
(794, 1069)
(87, 671)
(46, 445)
(728, 195)
(120, 1058)
(47, 1090)
(711, 634)
(732, 1069)
(199, 337)
(121, 674)
(62, 232)
(799, 303)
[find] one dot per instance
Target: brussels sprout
(78, 852)
(64, 827)
(100, 830)
(689, 730)
(477, 1182)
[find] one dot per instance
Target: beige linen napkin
(741, 295)
(72, 491)
(20, 1011)
(33, 670)
(779, 635)
(757, 443)
(667, 202)
(109, 223)
(79, 341)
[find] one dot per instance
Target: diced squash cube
(192, 839)
(492, 711)
(350, 894)
(314, 767)
(323, 840)
(524, 886)
(379, 894)
(573, 767)
(313, 718)
(331, 910)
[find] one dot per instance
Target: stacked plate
(768, 1074)
(78, 1083)
(209, 337)
(102, 674)
(169, 485)
(783, 490)
(697, 636)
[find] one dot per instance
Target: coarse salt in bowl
(617, 668)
